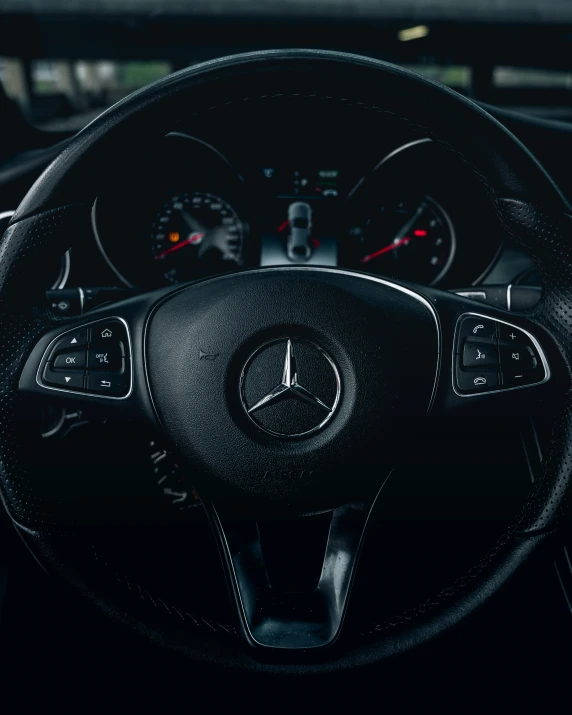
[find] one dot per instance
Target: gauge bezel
(148, 191)
(452, 240)
(462, 202)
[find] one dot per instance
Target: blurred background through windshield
(62, 62)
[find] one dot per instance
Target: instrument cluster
(191, 212)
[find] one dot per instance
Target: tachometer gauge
(409, 239)
(195, 235)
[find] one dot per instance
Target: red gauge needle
(385, 249)
(193, 238)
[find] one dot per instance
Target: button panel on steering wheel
(94, 360)
(492, 356)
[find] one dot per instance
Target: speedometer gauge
(408, 239)
(197, 234)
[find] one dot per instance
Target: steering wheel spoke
(290, 578)
(97, 361)
(492, 359)
(492, 355)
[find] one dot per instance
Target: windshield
(62, 62)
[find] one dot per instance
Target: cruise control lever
(76, 301)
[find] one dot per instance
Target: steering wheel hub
(311, 390)
(296, 405)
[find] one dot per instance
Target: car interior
(285, 354)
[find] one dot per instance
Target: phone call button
(476, 328)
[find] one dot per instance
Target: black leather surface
(24, 250)
(546, 237)
(512, 178)
(208, 423)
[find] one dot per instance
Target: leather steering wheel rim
(56, 213)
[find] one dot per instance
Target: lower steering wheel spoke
(290, 578)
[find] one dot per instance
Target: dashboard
(198, 206)
(368, 196)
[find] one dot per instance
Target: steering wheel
(278, 405)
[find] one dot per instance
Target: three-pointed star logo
(289, 387)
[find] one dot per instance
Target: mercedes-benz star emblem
(306, 397)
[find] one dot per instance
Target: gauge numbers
(197, 234)
(409, 239)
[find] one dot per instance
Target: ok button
(70, 361)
